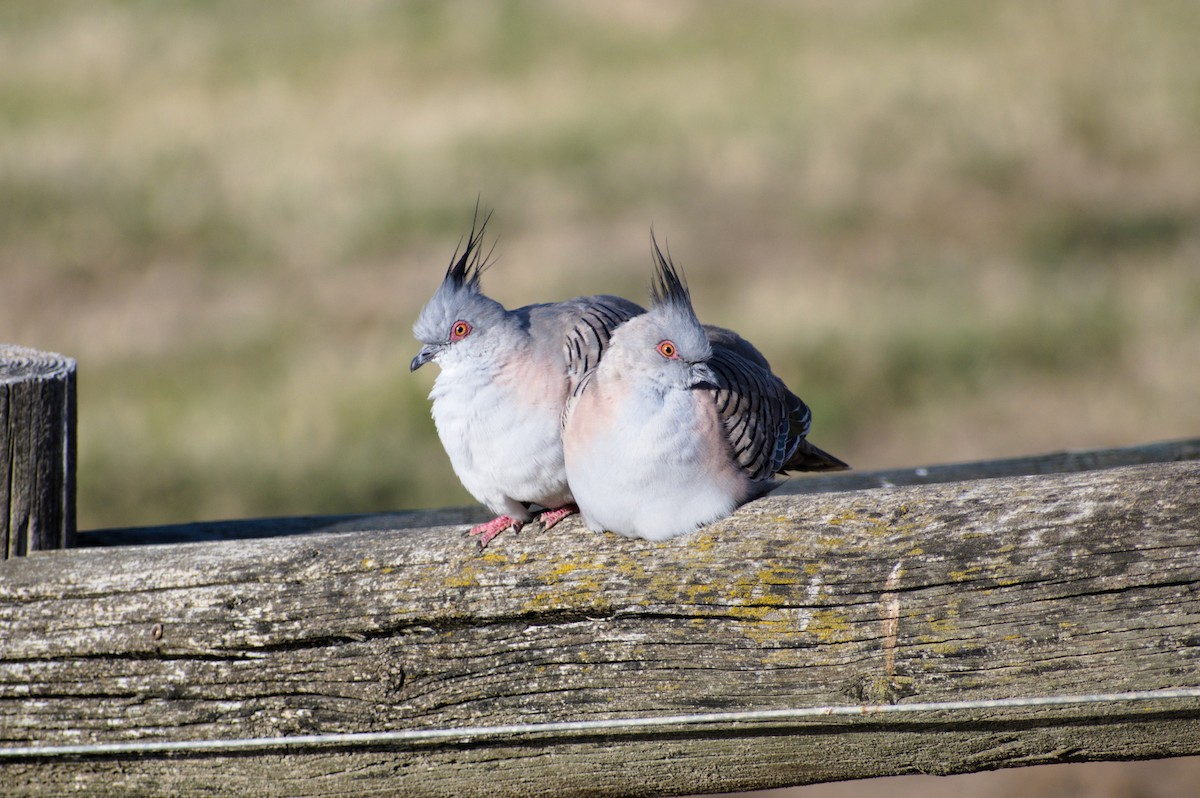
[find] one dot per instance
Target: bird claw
(549, 518)
(488, 532)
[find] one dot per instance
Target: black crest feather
(668, 287)
(465, 269)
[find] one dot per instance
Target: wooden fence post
(37, 451)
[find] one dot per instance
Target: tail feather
(811, 458)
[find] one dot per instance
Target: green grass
(956, 230)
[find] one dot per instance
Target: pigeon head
(456, 320)
(667, 345)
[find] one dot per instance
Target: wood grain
(37, 451)
(1067, 583)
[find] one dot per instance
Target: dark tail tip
(811, 458)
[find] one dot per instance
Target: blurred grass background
(958, 230)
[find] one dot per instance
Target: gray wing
(588, 338)
(765, 423)
(586, 341)
(724, 338)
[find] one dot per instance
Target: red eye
(667, 349)
(460, 330)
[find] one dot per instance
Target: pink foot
(549, 518)
(487, 532)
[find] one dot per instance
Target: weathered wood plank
(1062, 462)
(37, 451)
(1022, 586)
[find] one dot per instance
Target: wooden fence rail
(1053, 585)
(998, 588)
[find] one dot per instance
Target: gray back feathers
(586, 341)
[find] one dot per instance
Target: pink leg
(487, 532)
(551, 517)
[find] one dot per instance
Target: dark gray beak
(703, 377)
(426, 354)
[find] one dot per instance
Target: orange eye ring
(460, 330)
(668, 350)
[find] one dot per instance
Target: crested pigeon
(504, 380)
(680, 423)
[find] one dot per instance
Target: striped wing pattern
(764, 421)
(586, 341)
